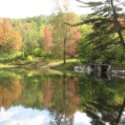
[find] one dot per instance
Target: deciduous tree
(10, 39)
(48, 39)
(107, 26)
(65, 37)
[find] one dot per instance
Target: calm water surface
(49, 98)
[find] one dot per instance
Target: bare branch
(90, 21)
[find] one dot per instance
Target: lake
(60, 98)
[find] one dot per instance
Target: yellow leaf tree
(10, 39)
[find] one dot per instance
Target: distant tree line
(98, 37)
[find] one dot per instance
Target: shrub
(29, 58)
(37, 52)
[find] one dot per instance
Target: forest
(98, 37)
(38, 57)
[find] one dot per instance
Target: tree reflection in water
(111, 114)
(63, 95)
(67, 101)
(102, 104)
(10, 90)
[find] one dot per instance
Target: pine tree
(108, 24)
(107, 17)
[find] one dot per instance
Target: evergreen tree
(108, 25)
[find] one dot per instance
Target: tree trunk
(64, 97)
(64, 54)
(118, 26)
(120, 112)
(23, 50)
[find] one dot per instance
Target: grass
(6, 66)
(42, 63)
(59, 65)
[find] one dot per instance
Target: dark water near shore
(55, 98)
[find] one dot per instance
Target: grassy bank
(69, 65)
(41, 63)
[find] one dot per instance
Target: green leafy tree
(65, 38)
(108, 25)
(62, 17)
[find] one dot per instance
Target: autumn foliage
(121, 22)
(73, 44)
(10, 39)
(48, 39)
(9, 92)
(47, 93)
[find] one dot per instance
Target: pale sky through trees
(28, 8)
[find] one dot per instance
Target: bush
(40, 53)
(37, 52)
(29, 58)
(10, 57)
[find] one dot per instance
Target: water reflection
(107, 113)
(65, 100)
(19, 115)
(105, 102)
(44, 98)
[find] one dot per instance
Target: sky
(28, 8)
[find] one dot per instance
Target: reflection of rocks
(118, 72)
(118, 76)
